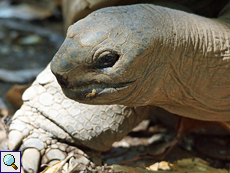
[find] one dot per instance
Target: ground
(17, 53)
(45, 37)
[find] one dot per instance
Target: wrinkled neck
(186, 50)
(196, 63)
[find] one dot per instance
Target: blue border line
(19, 167)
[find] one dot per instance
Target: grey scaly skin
(143, 55)
(136, 55)
(49, 126)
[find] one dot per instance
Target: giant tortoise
(114, 66)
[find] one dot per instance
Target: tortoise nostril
(61, 80)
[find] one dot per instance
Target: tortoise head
(105, 57)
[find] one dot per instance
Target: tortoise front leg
(49, 126)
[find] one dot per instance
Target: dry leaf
(188, 165)
(129, 169)
(14, 95)
(163, 165)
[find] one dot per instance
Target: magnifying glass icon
(9, 160)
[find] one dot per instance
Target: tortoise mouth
(91, 91)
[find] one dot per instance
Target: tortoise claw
(15, 139)
(31, 160)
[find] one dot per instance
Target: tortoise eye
(107, 60)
